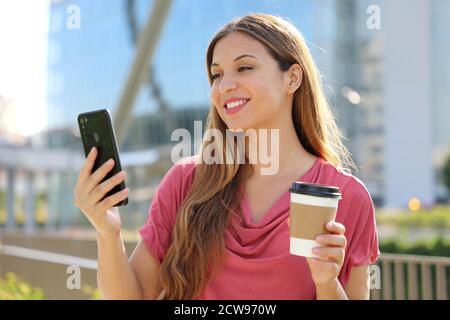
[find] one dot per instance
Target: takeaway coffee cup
(312, 206)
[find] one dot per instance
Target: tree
(446, 173)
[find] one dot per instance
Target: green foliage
(12, 288)
(429, 247)
(2, 199)
(437, 217)
(93, 293)
(446, 173)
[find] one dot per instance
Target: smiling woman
(262, 76)
(220, 231)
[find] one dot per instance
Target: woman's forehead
(235, 45)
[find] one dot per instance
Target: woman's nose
(227, 83)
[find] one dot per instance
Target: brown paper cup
(309, 214)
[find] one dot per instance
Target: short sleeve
(157, 230)
(361, 231)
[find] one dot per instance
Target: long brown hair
(197, 249)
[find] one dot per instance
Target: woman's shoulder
(351, 187)
(176, 183)
(182, 171)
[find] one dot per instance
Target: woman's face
(249, 90)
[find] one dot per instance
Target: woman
(220, 231)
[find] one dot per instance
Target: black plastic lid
(316, 190)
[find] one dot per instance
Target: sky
(23, 63)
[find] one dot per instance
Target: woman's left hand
(325, 269)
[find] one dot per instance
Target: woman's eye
(217, 75)
(242, 68)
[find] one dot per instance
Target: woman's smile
(235, 106)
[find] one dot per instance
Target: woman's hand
(325, 269)
(88, 192)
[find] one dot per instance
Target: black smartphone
(97, 130)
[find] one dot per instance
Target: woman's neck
(280, 152)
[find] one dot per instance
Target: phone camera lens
(82, 120)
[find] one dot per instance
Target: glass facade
(88, 66)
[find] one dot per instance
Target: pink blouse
(258, 264)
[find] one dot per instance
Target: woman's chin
(236, 129)
(236, 126)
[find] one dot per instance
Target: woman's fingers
(334, 244)
(335, 227)
(332, 240)
(84, 174)
(112, 200)
(98, 175)
(325, 266)
(99, 192)
(86, 170)
(335, 254)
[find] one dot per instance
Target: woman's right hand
(88, 192)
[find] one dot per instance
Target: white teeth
(235, 104)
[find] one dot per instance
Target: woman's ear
(294, 78)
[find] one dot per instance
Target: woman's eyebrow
(240, 57)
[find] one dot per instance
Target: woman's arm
(358, 284)
(325, 268)
(333, 291)
(115, 276)
(357, 287)
(147, 269)
(325, 271)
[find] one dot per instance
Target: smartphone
(97, 130)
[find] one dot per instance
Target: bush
(92, 293)
(434, 247)
(446, 173)
(11, 288)
(437, 217)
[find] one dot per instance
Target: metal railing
(412, 277)
(396, 277)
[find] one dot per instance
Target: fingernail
(319, 238)
(92, 150)
(110, 161)
(125, 190)
(316, 250)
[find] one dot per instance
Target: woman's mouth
(235, 106)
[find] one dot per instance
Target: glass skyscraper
(88, 66)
